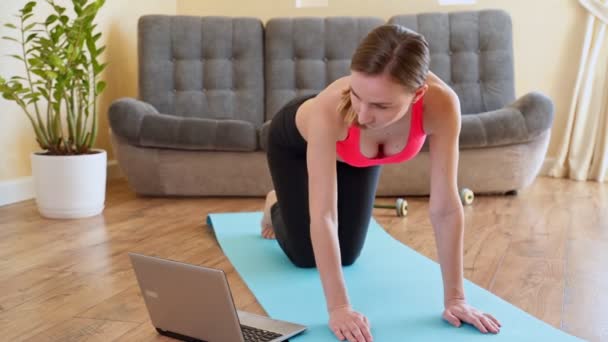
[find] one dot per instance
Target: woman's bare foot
(267, 230)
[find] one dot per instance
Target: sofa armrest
(142, 125)
(126, 116)
(520, 122)
(538, 111)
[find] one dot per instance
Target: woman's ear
(420, 92)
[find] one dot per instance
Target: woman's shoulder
(321, 110)
(325, 104)
(441, 105)
(332, 94)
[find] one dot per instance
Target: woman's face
(378, 100)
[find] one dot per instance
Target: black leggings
(290, 217)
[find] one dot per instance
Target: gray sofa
(209, 86)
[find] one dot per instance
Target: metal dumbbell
(400, 207)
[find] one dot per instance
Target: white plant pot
(70, 186)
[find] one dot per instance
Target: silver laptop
(194, 303)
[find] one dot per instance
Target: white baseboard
(22, 189)
(16, 190)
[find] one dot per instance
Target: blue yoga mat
(399, 290)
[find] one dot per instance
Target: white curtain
(583, 154)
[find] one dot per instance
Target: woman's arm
(322, 132)
(446, 212)
(322, 187)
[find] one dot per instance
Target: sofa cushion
(202, 67)
(141, 125)
(472, 51)
(304, 55)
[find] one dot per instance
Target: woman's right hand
(348, 324)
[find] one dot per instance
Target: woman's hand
(348, 324)
(458, 310)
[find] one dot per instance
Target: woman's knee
(300, 257)
(349, 257)
(303, 261)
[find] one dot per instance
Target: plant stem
(40, 123)
(49, 125)
(41, 138)
(70, 118)
(95, 120)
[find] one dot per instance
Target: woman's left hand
(459, 311)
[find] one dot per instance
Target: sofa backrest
(472, 51)
(305, 54)
(208, 67)
(235, 68)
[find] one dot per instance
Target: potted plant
(58, 93)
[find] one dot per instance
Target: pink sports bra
(350, 152)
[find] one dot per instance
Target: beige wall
(118, 23)
(547, 39)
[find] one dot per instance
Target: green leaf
(8, 96)
(45, 42)
(98, 52)
(51, 19)
(16, 57)
(33, 100)
(51, 74)
(90, 10)
(39, 72)
(56, 34)
(101, 85)
(30, 26)
(34, 62)
(77, 8)
(55, 61)
(31, 95)
(59, 9)
(28, 7)
(30, 37)
(64, 19)
(11, 39)
(97, 69)
(9, 25)
(43, 92)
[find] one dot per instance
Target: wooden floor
(544, 250)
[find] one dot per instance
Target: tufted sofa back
(237, 68)
(472, 52)
(303, 55)
(206, 67)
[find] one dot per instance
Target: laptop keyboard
(258, 335)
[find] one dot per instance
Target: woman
(325, 153)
